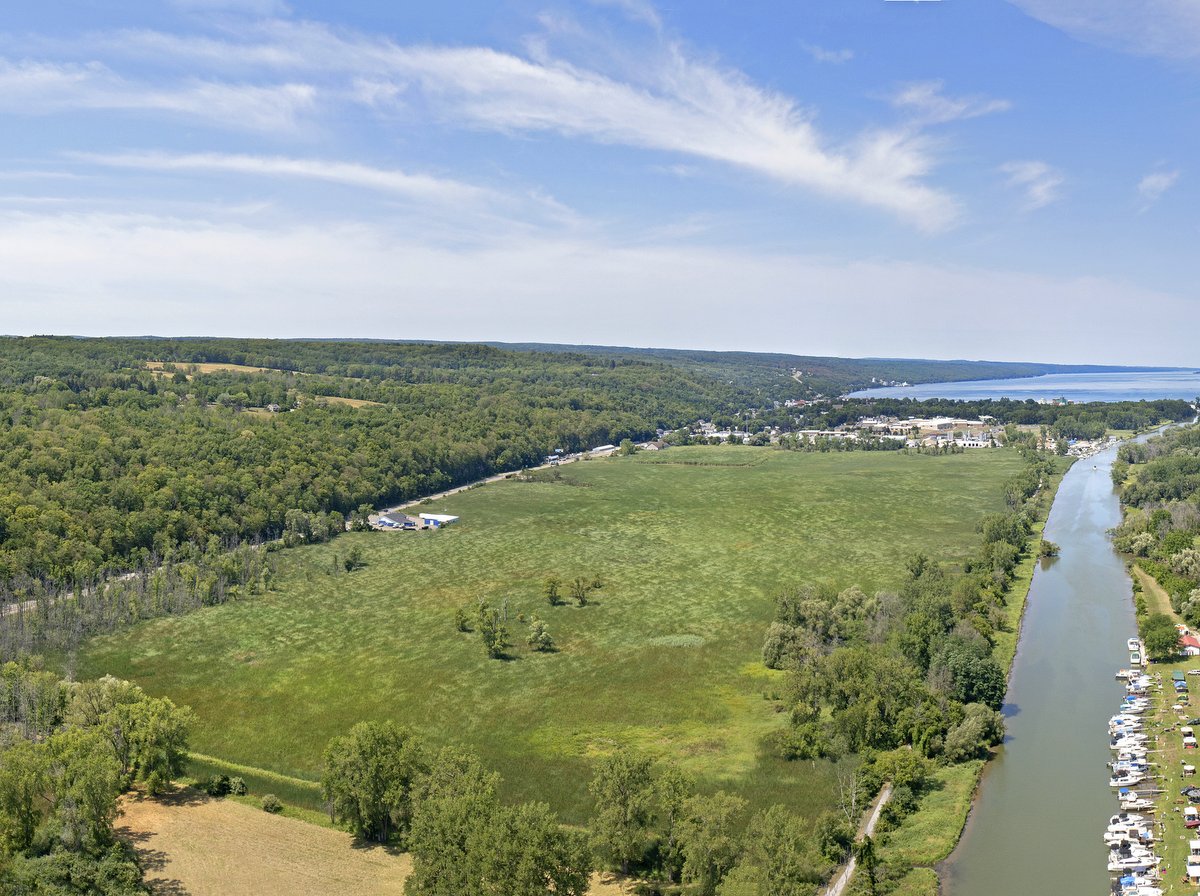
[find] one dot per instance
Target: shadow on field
(167, 888)
(185, 797)
(361, 844)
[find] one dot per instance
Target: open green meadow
(692, 545)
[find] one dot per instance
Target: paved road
(868, 828)
(462, 488)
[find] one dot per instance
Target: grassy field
(691, 545)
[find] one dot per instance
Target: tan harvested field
(353, 402)
(205, 367)
(192, 845)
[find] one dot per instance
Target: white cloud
(418, 186)
(834, 57)
(174, 276)
(1038, 182)
(686, 107)
(1167, 28)
(1153, 185)
(926, 101)
(40, 88)
(665, 101)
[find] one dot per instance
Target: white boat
(1126, 779)
(1114, 839)
(1125, 674)
(1126, 818)
(1132, 862)
(1128, 738)
(1140, 804)
(1133, 644)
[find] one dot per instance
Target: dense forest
(1160, 490)
(108, 465)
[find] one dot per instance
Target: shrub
(217, 785)
(270, 803)
(237, 786)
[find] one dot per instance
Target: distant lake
(1112, 386)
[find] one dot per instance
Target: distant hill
(831, 376)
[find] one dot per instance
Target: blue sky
(1006, 179)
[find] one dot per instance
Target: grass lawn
(692, 545)
(929, 835)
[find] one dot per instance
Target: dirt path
(437, 496)
(865, 830)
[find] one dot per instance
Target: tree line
(384, 784)
(906, 680)
(1159, 481)
(68, 751)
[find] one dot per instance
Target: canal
(1043, 803)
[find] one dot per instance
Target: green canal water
(1043, 803)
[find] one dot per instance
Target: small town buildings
(397, 520)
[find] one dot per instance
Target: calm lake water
(1118, 386)
(1044, 801)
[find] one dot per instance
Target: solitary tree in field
(539, 635)
(579, 590)
(553, 597)
(493, 632)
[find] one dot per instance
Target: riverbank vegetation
(912, 681)
(1160, 493)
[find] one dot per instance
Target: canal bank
(1044, 797)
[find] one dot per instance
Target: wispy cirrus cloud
(1038, 182)
(419, 186)
(666, 101)
(928, 103)
(680, 106)
(1153, 185)
(1165, 28)
(40, 88)
(821, 54)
